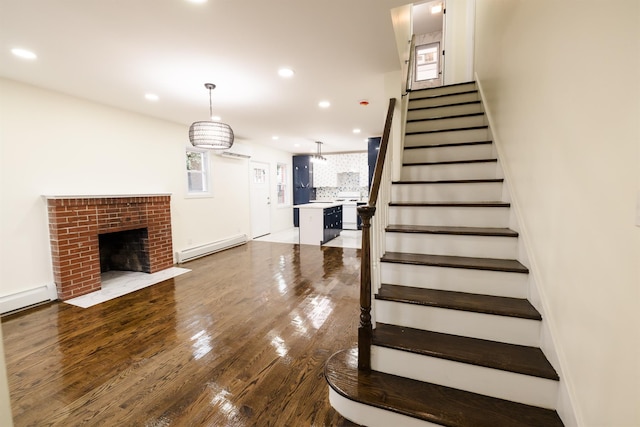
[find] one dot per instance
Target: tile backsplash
(340, 173)
(332, 192)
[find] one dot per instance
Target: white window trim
(207, 160)
(287, 186)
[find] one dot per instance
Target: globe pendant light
(210, 134)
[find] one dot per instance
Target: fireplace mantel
(75, 222)
(101, 196)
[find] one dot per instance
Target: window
(281, 180)
(197, 172)
(427, 61)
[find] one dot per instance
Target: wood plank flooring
(241, 340)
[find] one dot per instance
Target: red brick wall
(74, 225)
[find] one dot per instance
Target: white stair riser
(496, 283)
(448, 110)
(449, 216)
(372, 416)
(443, 90)
(443, 100)
(511, 386)
(463, 192)
(454, 136)
(450, 123)
(457, 322)
(448, 154)
(453, 245)
(482, 170)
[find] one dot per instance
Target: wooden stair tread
(447, 130)
(451, 162)
(452, 181)
(427, 89)
(456, 116)
(442, 95)
(487, 304)
(493, 264)
(430, 402)
(448, 144)
(491, 354)
(464, 231)
(456, 104)
(453, 204)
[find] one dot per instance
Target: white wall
(561, 80)
(458, 41)
(51, 143)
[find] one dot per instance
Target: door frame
(253, 207)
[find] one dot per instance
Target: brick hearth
(76, 221)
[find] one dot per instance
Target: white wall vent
(237, 151)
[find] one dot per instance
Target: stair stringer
(548, 344)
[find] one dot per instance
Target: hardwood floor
(241, 340)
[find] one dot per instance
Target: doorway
(429, 32)
(260, 199)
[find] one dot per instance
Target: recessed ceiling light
(275, 137)
(151, 97)
(285, 72)
(216, 118)
(23, 53)
(197, 1)
(436, 9)
(324, 104)
(356, 130)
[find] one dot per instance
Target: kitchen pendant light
(210, 134)
(317, 158)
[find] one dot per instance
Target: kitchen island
(319, 222)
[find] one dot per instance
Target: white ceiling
(115, 51)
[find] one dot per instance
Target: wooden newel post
(365, 330)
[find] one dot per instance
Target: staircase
(455, 340)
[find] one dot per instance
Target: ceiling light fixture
(285, 72)
(436, 9)
(356, 130)
(210, 134)
(318, 158)
(24, 53)
(324, 104)
(151, 97)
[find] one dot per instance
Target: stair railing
(411, 65)
(373, 240)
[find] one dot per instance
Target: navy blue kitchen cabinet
(303, 190)
(332, 223)
(373, 149)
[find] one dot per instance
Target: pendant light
(317, 158)
(210, 134)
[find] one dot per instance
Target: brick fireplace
(77, 222)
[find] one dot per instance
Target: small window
(281, 180)
(427, 59)
(197, 172)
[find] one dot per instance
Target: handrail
(411, 65)
(382, 153)
(366, 212)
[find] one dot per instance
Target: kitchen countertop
(319, 205)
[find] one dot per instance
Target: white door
(260, 199)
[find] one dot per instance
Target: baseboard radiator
(209, 248)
